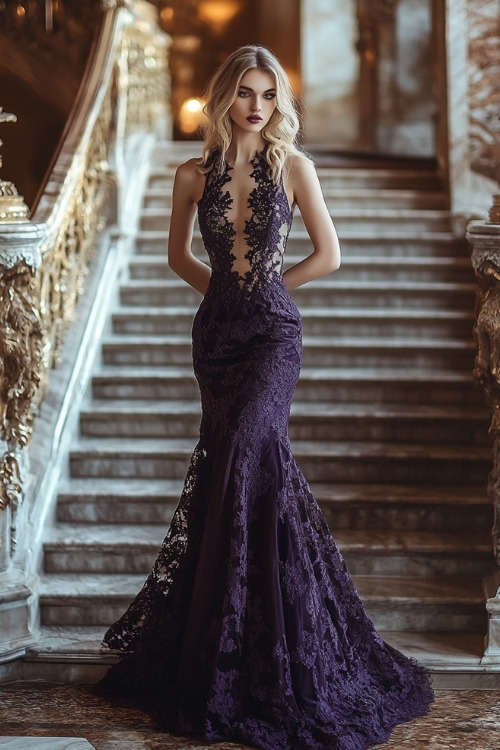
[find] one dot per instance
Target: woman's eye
(269, 96)
(243, 93)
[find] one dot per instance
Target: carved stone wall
(484, 90)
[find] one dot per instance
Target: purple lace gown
(249, 627)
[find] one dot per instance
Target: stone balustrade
(44, 261)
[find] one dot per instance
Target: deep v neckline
(249, 246)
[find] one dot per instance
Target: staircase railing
(56, 266)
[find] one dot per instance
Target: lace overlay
(249, 627)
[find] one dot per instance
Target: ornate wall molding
(484, 92)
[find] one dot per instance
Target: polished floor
(459, 720)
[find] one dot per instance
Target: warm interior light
(167, 14)
(194, 105)
(191, 115)
(218, 13)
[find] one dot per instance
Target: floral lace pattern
(249, 627)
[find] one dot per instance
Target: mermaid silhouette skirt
(249, 627)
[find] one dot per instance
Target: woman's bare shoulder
(300, 163)
(189, 170)
(301, 172)
(190, 179)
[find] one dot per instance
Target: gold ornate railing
(45, 257)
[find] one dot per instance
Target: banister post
(485, 239)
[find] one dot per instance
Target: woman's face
(255, 101)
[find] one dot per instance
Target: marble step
(319, 351)
(162, 175)
(309, 421)
(339, 197)
(330, 291)
(362, 268)
(73, 654)
(334, 164)
(127, 549)
(322, 321)
(335, 384)
(394, 603)
(349, 506)
(415, 244)
(320, 461)
(345, 219)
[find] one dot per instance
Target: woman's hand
(187, 190)
(303, 185)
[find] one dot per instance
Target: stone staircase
(387, 426)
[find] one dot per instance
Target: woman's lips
(254, 118)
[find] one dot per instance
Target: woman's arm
(308, 196)
(186, 192)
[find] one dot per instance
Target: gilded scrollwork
(148, 81)
(10, 483)
(21, 362)
(66, 260)
(20, 353)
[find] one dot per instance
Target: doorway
(367, 76)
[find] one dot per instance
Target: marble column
(329, 72)
(384, 20)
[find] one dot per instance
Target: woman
(249, 627)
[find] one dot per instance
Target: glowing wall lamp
(191, 116)
(218, 13)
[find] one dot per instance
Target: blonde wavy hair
(281, 131)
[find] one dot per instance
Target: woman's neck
(243, 149)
